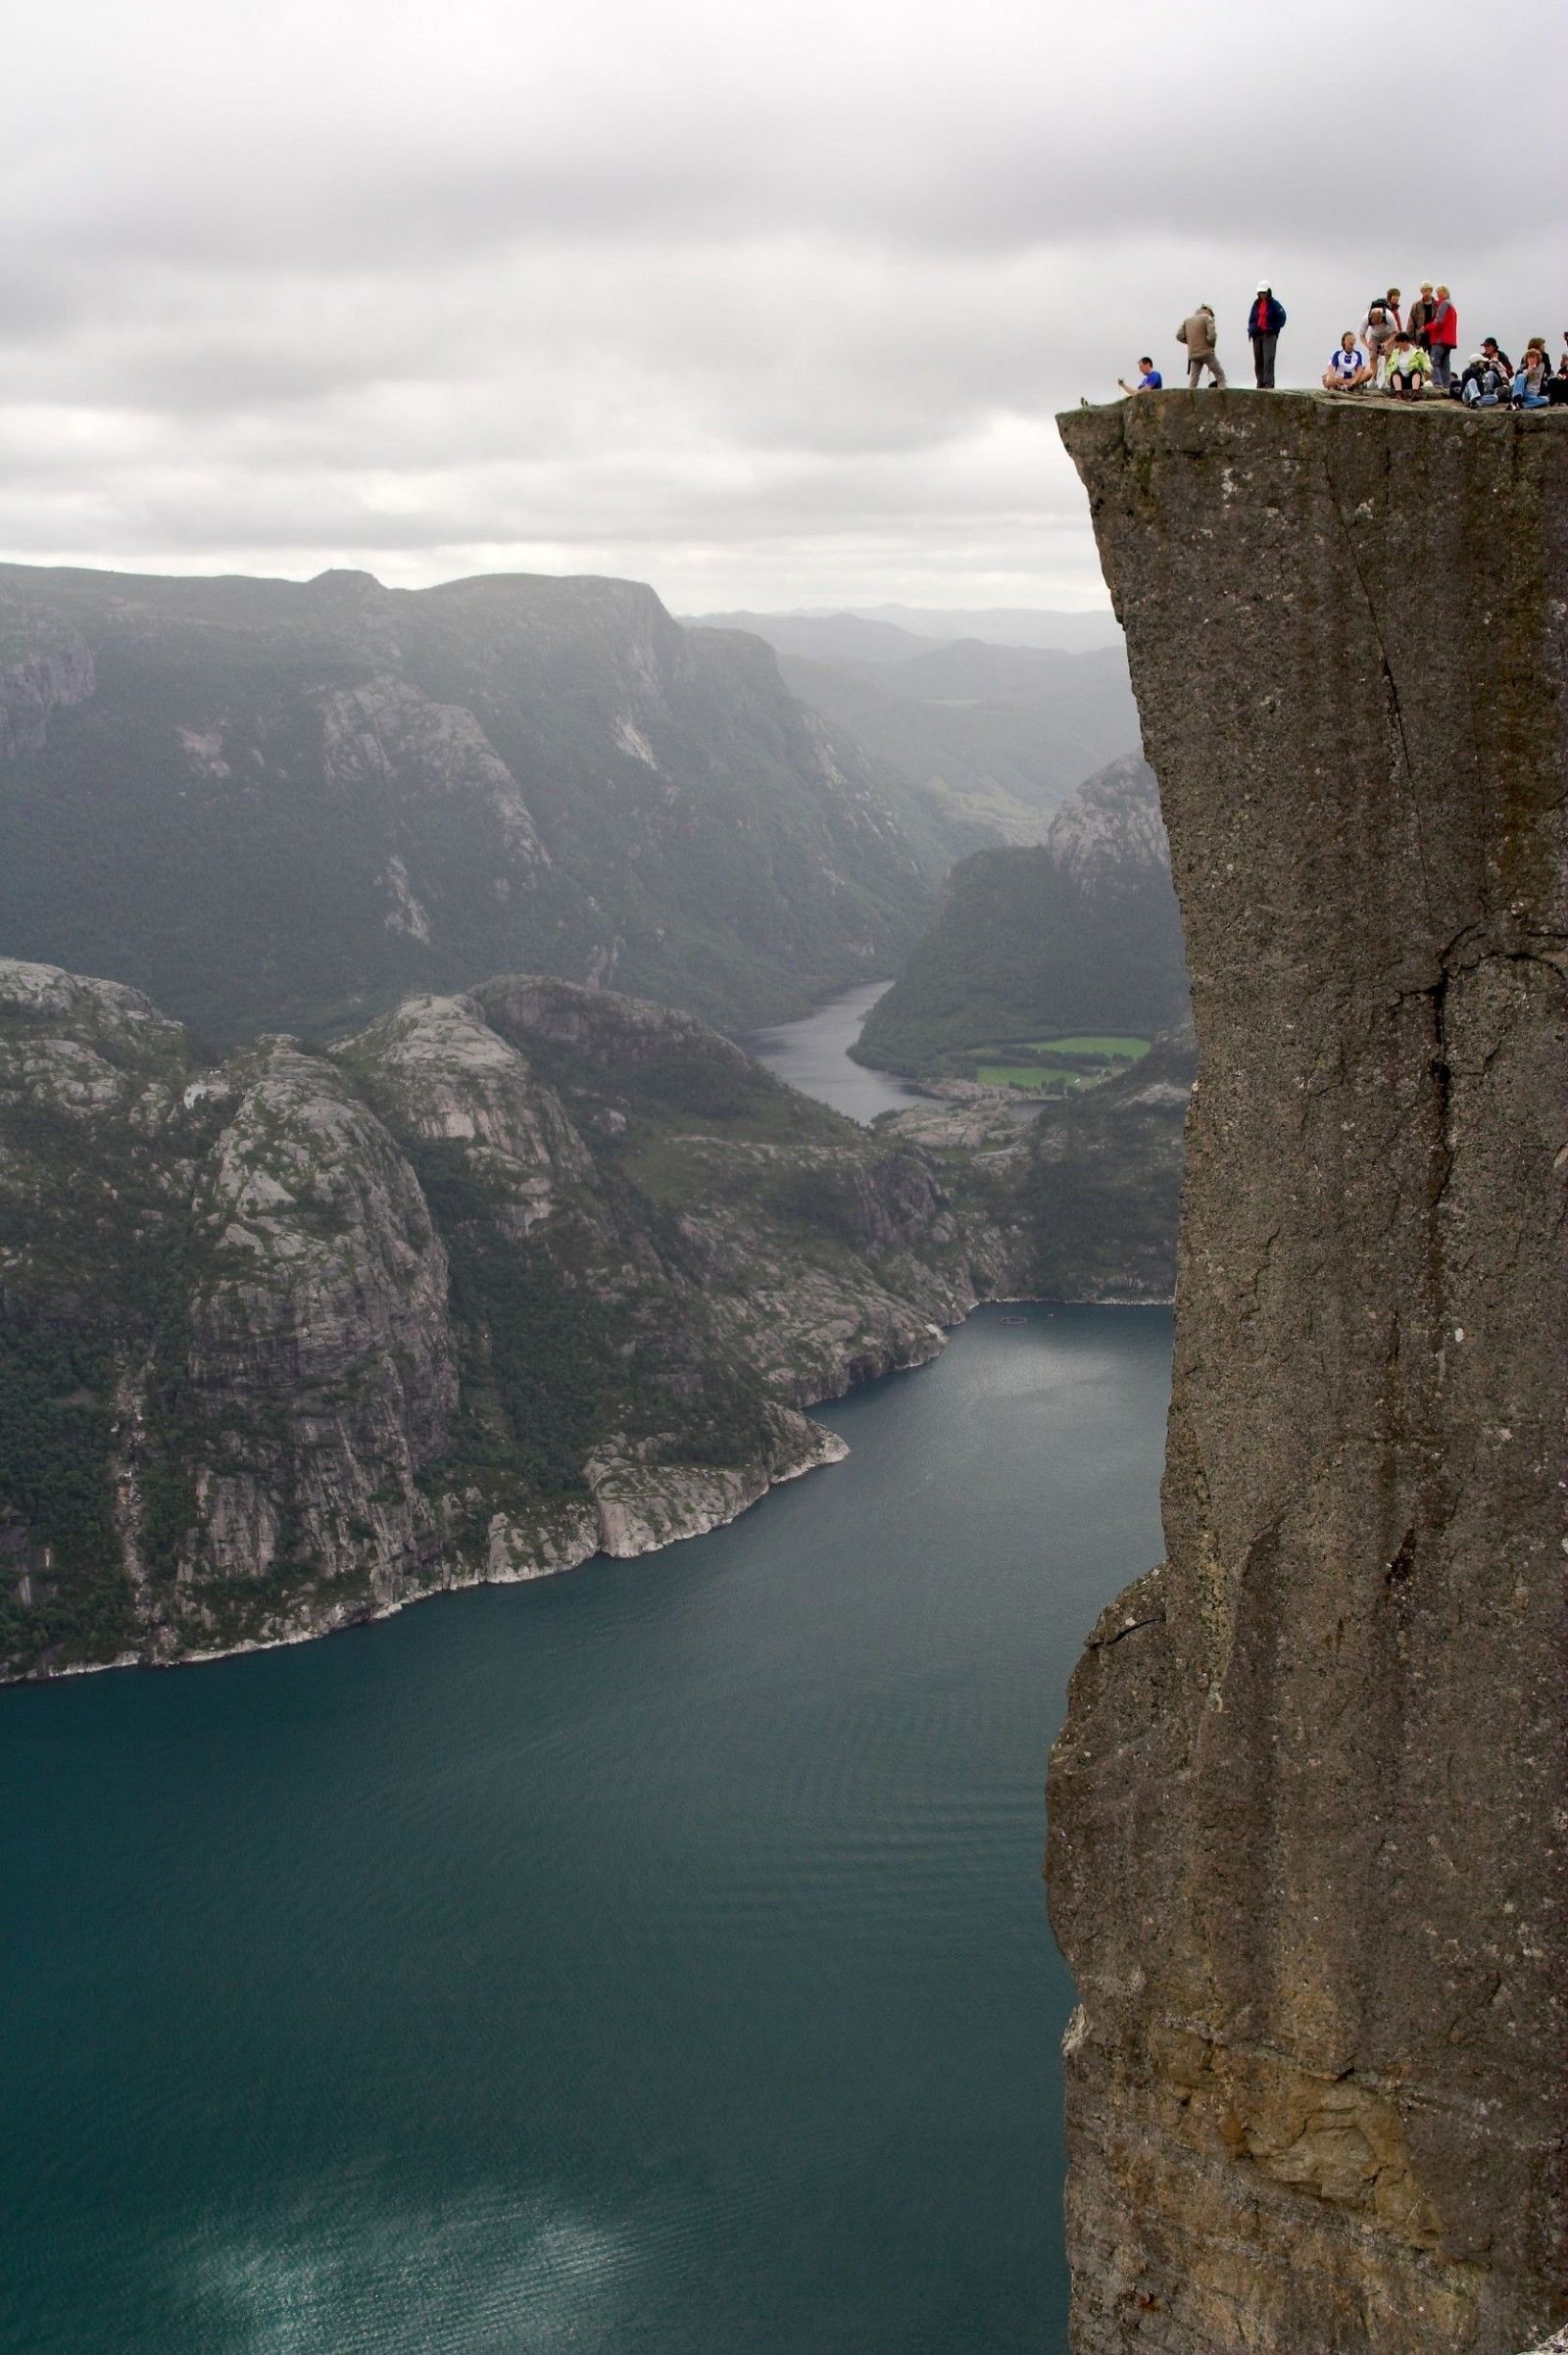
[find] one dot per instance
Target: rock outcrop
(1307, 1814)
(507, 1280)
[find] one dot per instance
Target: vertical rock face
(1308, 1812)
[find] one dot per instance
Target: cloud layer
(768, 311)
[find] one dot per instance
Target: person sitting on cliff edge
(1534, 377)
(1409, 368)
(1196, 332)
(1149, 380)
(1347, 369)
(1483, 384)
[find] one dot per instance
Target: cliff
(509, 1279)
(1307, 1811)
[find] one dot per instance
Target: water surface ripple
(649, 1961)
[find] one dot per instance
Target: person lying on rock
(1346, 368)
(1149, 380)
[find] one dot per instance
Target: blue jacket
(1273, 318)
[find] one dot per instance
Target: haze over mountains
(1081, 632)
(1003, 731)
(280, 804)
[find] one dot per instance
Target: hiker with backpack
(1378, 330)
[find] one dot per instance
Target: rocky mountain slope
(274, 803)
(511, 1277)
(1307, 1815)
(1085, 1189)
(1080, 933)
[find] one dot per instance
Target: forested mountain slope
(1078, 933)
(274, 804)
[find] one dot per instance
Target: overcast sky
(766, 306)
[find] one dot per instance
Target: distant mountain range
(998, 625)
(1000, 733)
(1006, 625)
(282, 804)
(1077, 934)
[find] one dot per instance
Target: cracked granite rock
(1307, 1811)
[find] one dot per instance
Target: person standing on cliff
(1423, 310)
(1378, 331)
(1442, 335)
(1196, 332)
(1263, 324)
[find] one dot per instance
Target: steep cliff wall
(1306, 1844)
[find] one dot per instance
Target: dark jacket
(1490, 377)
(1266, 317)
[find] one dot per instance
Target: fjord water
(647, 1961)
(813, 1055)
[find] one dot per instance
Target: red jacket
(1445, 326)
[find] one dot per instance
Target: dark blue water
(651, 1959)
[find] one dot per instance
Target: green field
(1112, 1050)
(1094, 1058)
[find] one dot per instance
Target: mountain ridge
(281, 804)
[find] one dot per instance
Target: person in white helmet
(1263, 324)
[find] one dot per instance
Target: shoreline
(830, 1451)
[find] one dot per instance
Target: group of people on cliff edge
(1408, 357)
(1197, 333)
(1402, 357)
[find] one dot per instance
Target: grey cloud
(742, 304)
